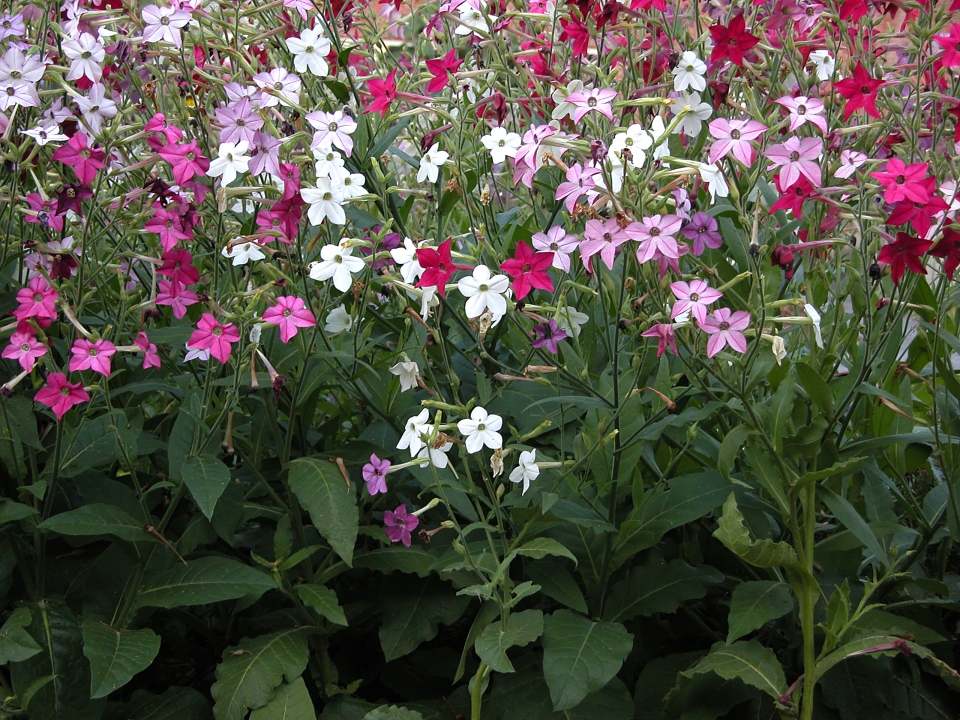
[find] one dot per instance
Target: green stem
(808, 603)
(476, 692)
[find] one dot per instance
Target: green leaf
(816, 387)
(749, 661)
(837, 468)
(580, 656)
(522, 629)
(761, 553)
(323, 600)
(206, 477)
(659, 588)
(414, 560)
(16, 643)
(540, 547)
(332, 506)
(176, 703)
(291, 702)
(767, 473)
(851, 519)
(11, 511)
(98, 519)
(730, 448)
(489, 611)
(116, 655)
(203, 581)
(779, 412)
(180, 441)
(392, 712)
(557, 582)
(754, 604)
(253, 669)
(413, 613)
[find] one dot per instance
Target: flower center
(217, 331)
(607, 237)
(592, 102)
(65, 391)
(332, 127)
(338, 259)
(502, 143)
(25, 347)
(484, 288)
(85, 153)
(85, 54)
(168, 223)
(695, 297)
(724, 326)
(309, 49)
(794, 156)
(328, 196)
(278, 86)
(735, 134)
(92, 352)
(526, 268)
(691, 68)
(16, 74)
(191, 156)
(164, 20)
(481, 427)
(864, 90)
(241, 122)
(801, 109)
(554, 247)
(287, 313)
(901, 179)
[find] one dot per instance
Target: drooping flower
(526, 470)
(242, 253)
(431, 162)
(214, 336)
(906, 252)
(850, 160)
(338, 320)
(375, 475)
(441, 70)
(94, 356)
(947, 248)
(407, 371)
(665, 335)
(60, 394)
(712, 175)
(481, 429)
(384, 92)
(548, 335)
(951, 46)
(528, 270)
(289, 314)
(399, 523)
(413, 429)
(726, 328)
(151, 358)
(484, 291)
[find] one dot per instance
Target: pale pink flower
(850, 161)
(726, 328)
(151, 359)
(657, 237)
(693, 297)
(795, 157)
(804, 110)
(164, 24)
(735, 136)
(559, 242)
(597, 99)
(603, 238)
(579, 184)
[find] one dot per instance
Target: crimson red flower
(853, 10)
(69, 197)
(84, 160)
(903, 182)
(948, 248)
(384, 92)
(441, 70)
(905, 252)
(438, 267)
(528, 270)
(732, 41)
(860, 91)
(920, 215)
(178, 266)
(575, 29)
(793, 197)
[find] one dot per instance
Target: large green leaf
(291, 702)
(15, 642)
(540, 547)
(762, 553)
(332, 506)
(176, 703)
(203, 581)
(206, 477)
(851, 519)
(116, 655)
(749, 661)
(755, 603)
(557, 582)
(391, 559)
(413, 613)
(580, 656)
(323, 600)
(251, 671)
(522, 629)
(11, 511)
(98, 519)
(779, 411)
(659, 588)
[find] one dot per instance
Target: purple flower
(548, 335)
(702, 230)
(398, 524)
(375, 475)
(240, 121)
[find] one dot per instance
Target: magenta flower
(903, 182)
(603, 238)
(664, 333)
(528, 269)
(597, 99)
(186, 159)
(213, 336)
(375, 476)
(657, 237)
(579, 184)
(548, 335)
(84, 160)
(726, 328)
(559, 242)
(151, 359)
(703, 231)
(693, 297)
(25, 349)
(168, 225)
(176, 296)
(60, 395)
(92, 356)
(804, 110)
(797, 156)
(398, 524)
(735, 136)
(178, 266)
(37, 300)
(290, 313)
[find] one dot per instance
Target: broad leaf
(176, 703)
(332, 506)
(291, 702)
(522, 629)
(16, 643)
(323, 600)
(762, 553)
(557, 582)
(851, 519)
(754, 604)
(413, 614)
(207, 478)
(816, 387)
(116, 655)
(98, 519)
(659, 588)
(540, 547)
(251, 671)
(779, 411)
(11, 511)
(203, 581)
(748, 661)
(580, 656)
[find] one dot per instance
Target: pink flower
(177, 265)
(726, 328)
(558, 241)
(151, 359)
(60, 395)
(398, 524)
(903, 182)
(187, 161)
(797, 156)
(37, 300)
(384, 92)
(693, 297)
(25, 349)
(528, 270)
(657, 237)
(375, 476)
(804, 110)
(168, 225)
(84, 160)
(579, 184)
(850, 160)
(176, 296)
(213, 336)
(703, 230)
(735, 136)
(290, 313)
(596, 99)
(664, 333)
(603, 238)
(92, 356)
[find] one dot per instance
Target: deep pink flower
(44, 212)
(951, 46)
(603, 238)
(187, 161)
(664, 333)
(177, 265)
(168, 225)
(60, 395)
(398, 524)
(726, 328)
(693, 297)
(384, 93)
(151, 359)
(903, 182)
(25, 349)
(732, 42)
(290, 313)
(178, 297)
(860, 92)
(84, 160)
(213, 336)
(735, 136)
(375, 476)
(37, 300)
(92, 356)
(442, 69)
(597, 99)
(158, 124)
(528, 270)
(796, 156)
